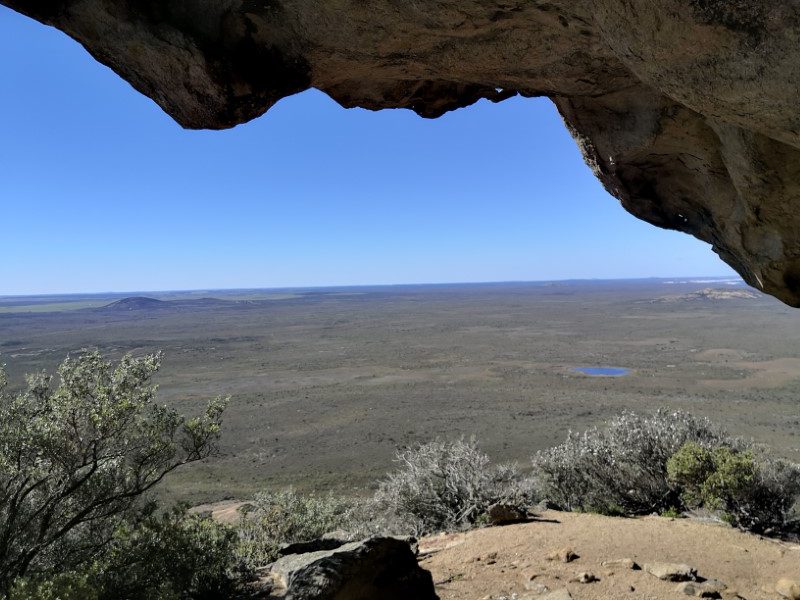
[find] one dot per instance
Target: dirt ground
(496, 563)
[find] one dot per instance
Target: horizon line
(687, 278)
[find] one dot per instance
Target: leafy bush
(753, 491)
(173, 556)
(446, 485)
(64, 586)
(622, 469)
(278, 518)
(77, 457)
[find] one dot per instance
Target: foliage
(278, 518)
(621, 469)
(446, 485)
(752, 490)
(64, 586)
(173, 556)
(77, 455)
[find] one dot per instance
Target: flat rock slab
(671, 571)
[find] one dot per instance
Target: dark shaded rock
(685, 109)
(318, 545)
(384, 568)
(504, 514)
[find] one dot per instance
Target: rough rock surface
(685, 109)
(383, 568)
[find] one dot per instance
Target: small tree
(78, 454)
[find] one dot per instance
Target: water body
(603, 371)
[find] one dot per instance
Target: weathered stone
(375, 568)
(584, 577)
(706, 589)
(622, 563)
(686, 110)
(564, 555)
(671, 571)
(537, 588)
(503, 514)
(788, 588)
(562, 594)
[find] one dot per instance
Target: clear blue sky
(101, 191)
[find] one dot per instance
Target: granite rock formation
(685, 109)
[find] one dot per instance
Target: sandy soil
(496, 563)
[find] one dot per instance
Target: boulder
(311, 546)
(381, 567)
(504, 514)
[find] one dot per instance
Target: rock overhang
(686, 110)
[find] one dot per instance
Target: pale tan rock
(671, 571)
(788, 588)
(584, 577)
(621, 563)
(564, 555)
(562, 594)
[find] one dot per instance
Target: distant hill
(136, 303)
(144, 303)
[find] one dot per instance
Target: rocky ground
(585, 556)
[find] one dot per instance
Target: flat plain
(325, 384)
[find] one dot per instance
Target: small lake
(603, 371)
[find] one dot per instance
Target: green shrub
(621, 469)
(750, 489)
(446, 485)
(172, 556)
(65, 586)
(278, 518)
(78, 455)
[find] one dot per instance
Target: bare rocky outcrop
(685, 109)
(383, 568)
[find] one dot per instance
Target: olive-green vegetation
(669, 463)
(326, 384)
(79, 454)
(81, 451)
(749, 488)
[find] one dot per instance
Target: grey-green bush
(446, 485)
(622, 469)
(278, 518)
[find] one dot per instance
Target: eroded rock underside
(685, 109)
